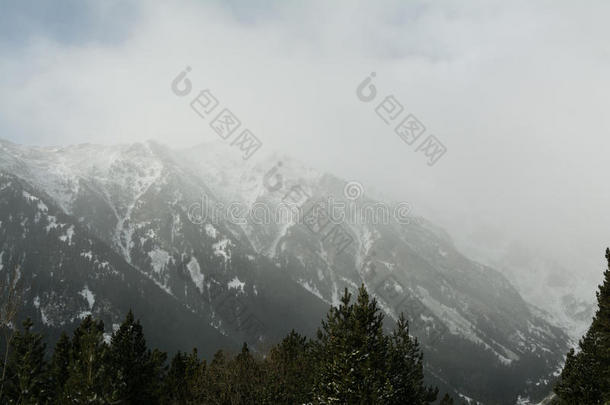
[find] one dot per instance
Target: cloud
(515, 90)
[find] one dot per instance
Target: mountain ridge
(136, 200)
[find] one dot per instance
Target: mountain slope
(186, 227)
(67, 273)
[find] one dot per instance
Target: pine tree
(11, 289)
(406, 370)
(26, 369)
(586, 374)
(246, 382)
(132, 370)
(334, 381)
(446, 400)
(175, 388)
(289, 371)
(59, 367)
(352, 353)
(372, 347)
(185, 382)
(86, 383)
(218, 376)
(358, 364)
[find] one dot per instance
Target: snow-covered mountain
(204, 249)
(567, 301)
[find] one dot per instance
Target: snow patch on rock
(68, 236)
(159, 259)
(196, 274)
(88, 295)
(236, 284)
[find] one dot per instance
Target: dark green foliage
(86, 372)
(219, 379)
(352, 352)
(185, 380)
(406, 370)
(27, 371)
(351, 362)
(60, 365)
(446, 400)
(358, 364)
(248, 381)
(586, 375)
(289, 370)
(132, 370)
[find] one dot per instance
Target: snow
(29, 196)
(320, 274)
(122, 174)
(211, 231)
(196, 274)
(52, 223)
(398, 288)
(142, 173)
(467, 398)
(459, 325)
(159, 259)
(426, 318)
(68, 236)
(236, 284)
(311, 288)
(44, 318)
(88, 295)
(17, 274)
(221, 248)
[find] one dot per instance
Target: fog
(516, 92)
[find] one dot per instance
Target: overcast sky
(517, 91)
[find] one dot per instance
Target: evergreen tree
(175, 389)
(219, 377)
(26, 369)
(352, 362)
(132, 370)
(352, 353)
(446, 400)
(86, 383)
(406, 370)
(358, 364)
(585, 378)
(334, 382)
(289, 371)
(59, 367)
(185, 381)
(246, 382)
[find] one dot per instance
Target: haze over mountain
(515, 90)
(101, 229)
(450, 156)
